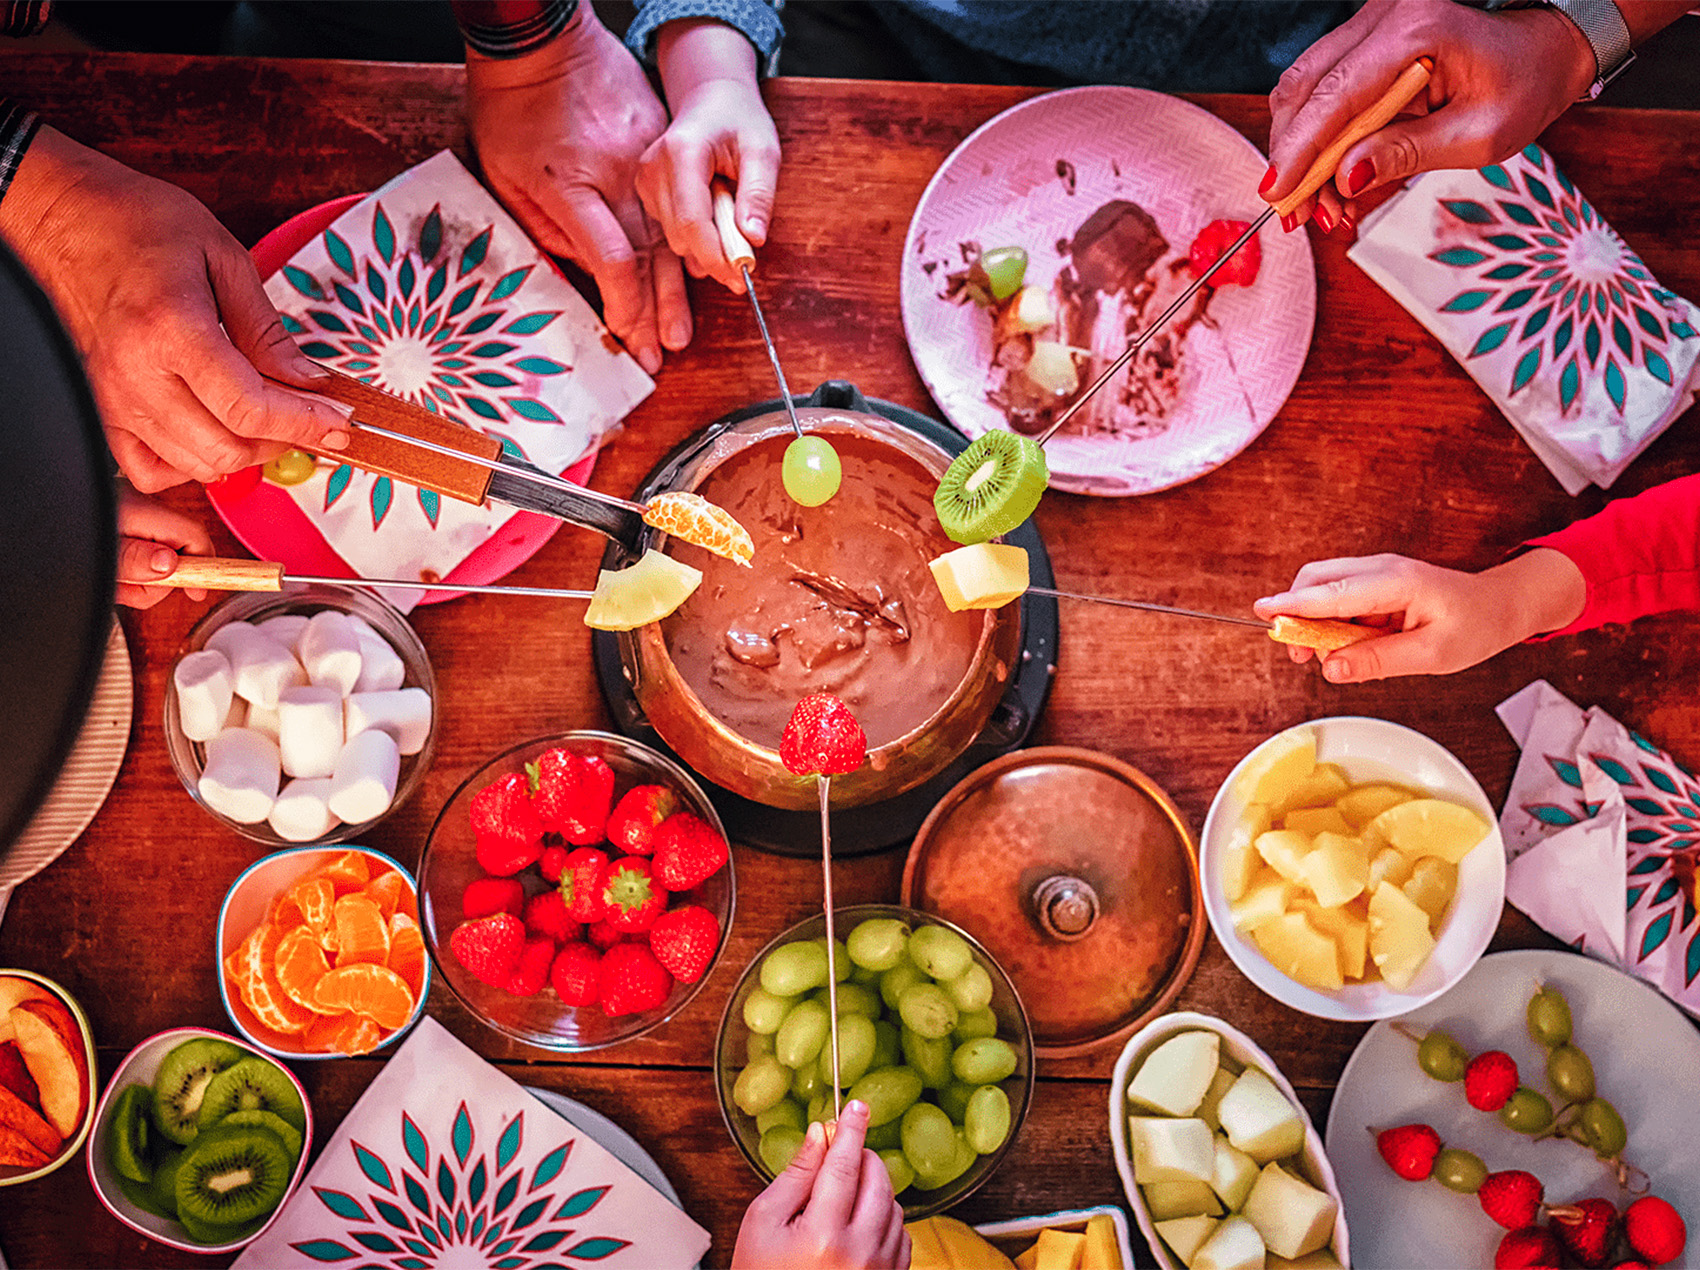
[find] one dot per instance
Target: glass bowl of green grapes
(932, 1037)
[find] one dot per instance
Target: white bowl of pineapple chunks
(1222, 1167)
(1352, 868)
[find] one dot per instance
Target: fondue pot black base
(877, 826)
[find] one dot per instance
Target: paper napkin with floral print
(444, 1161)
(1553, 314)
(428, 289)
(1602, 832)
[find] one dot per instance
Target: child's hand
(1439, 620)
(831, 1209)
(720, 128)
(149, 538)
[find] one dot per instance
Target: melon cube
(1361, 805)
(1432, 826)
(1388, 865)
(1259, 1120)
(1234, 1245)
(1431, 885)
(1283, 850)
(1325, 783)
(986, 575)
(1278, 767)
(1232, 1173)
(1174, 1076)
(1292, 1215)
(1102, 1250)
(1167, 1150)
(1220, 1084)
(1299, 951)
(1315, 820)
(1240, 860)
(1399, 939)
(1180, 1199)
(1321, 1259)
(1267, 899)
(1186, 1235)
(1335, 870)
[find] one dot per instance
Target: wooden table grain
(1384, 444)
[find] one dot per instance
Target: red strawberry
(1490, 1080)
(1586, 1228)
(633, 896)
(1512, 1198)
(638, 814)
(573, 794)
(489, 947)
(1655, 1230)
(688, 850)
(575, 973)
(1217, 237)
(502, 809)
(602, 934)
(1409, 1150)
(684, 939)
(504, 857)
(15, 1076)
(546, 914)
(822, 738)
(531, 972)
(1532, 1246)
(484, 896)
(1634, 1263)
(551, 862)
(582, 876)
(631, 980)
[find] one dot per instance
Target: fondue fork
(824, 784)
(739, 252)
(213, 573)
(1342, 633)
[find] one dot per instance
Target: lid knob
(1066, 906)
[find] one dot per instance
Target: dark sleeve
(17, 129)
(757, 20)
(510, 28)
(23, 17)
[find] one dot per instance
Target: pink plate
(266, 520)
(1031, 177)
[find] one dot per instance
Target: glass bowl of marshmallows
(301, 716)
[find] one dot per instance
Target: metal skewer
(740, 253)
(1150, 608)
(213, 573)
(824, 783)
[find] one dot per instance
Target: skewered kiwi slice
(181, 1083)
(991, 487)
(251, 1085)
(229, 1176)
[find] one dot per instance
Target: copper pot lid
(1077, 873)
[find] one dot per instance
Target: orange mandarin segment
(347, 873)
(312, 898)
(377, 992)
(407, 953)
(259, 988)
(692, 518)
(344, 1033)
(362, 934)
(389, 891)
(299, 966)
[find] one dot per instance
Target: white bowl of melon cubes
(1352, 868)
(1222, 1167)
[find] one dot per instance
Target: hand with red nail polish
(150, 535)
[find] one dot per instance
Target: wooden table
(1384, 444)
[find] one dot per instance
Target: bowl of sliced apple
(47, 1067)
(1221, 1165)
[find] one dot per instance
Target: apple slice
(15, 1076)
(17, 1151)
(14, 990)
(52, 1048)
(19, 1116)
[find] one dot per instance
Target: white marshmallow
(309, 731)
(405, 714)
(330, 651)
(364, 782)
(286, 629)
(263, 668)
(205, 688)
(240, 776)
(381, 668)
(228, 636)
(301, 813)
(259, 719)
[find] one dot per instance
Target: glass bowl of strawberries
(576, 891)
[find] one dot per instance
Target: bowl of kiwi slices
(199, 1140)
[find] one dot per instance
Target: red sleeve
(1640, 555)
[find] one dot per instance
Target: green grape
(898, 980)
(888, 1092)
(1602, 1128)
(926, 1009)
(1549, 1018)
(759, 1045)
(802, 1034)
(820, 1108)
(855, 1051)
(1526, 1111)
(929, 1056)
(983, 1061)
(987, 1118)
(888, 1045)
(794, 968)
(929, 1140)
(811, 471)
(862, 975)
(1442, 1057)
(960, 1164)
(971, 990)
(290, 468)
(1571, 1073)
(975, 1023)
(841, 958)
(853, 998)
(1459, 1171)
(778, 1145)
(897, 1165)
(885, 1137)
(940, 952)
(785, 1111)
(764, 1012)
(953, 1099)
(806, 1082)
(760, 1085)
(878, 943)
(1005, 269)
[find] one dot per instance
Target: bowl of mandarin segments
(320, 953)
(605, 817)
(932, 1036)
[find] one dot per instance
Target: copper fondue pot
(754, 771)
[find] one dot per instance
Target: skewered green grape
(1603, 1128)
(811, 470)
(1459, 1171)
(1527, 1111)
(1442, 1057)
(1549, 1018)
(1571, 1073)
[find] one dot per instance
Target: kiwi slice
(141, 1195)
(204, 1232)
(131, 1127)
(163, 1188)
(231, 1175)
(182, 1081)
(254, 1084)
(991, 487)
(287, 1133)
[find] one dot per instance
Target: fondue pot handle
(732, 242)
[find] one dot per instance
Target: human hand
(1439, 620)
(1485, 99)
(142, 277)
(149, 537)
(720, 128)
(831, 1209)
(559, 133)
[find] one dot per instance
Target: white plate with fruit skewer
(1644, 1053)
(1034, 177)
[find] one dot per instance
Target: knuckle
(1288, 89)
(1403, 156)
(1334, 82)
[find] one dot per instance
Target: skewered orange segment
(692, 518)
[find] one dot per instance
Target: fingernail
(1346, 222)
(310, 369)
(339, 407)
(1269, 179)
(856, 1107)
(678, 335)
(334, 441)
(753, 226)
(1323, 218)
(163, 561)
(816, 1133)
(1290, 223)
(650, 360)
(1333, 670)
(1359, 177)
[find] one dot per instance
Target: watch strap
(1602, 25)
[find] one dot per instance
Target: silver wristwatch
(1606, 32)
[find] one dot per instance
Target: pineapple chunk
(1388, 865)
(1292, 1215)
(1431, 885)
(1030, 311)
(1321, 1259)
(646, 592)
(1349, 932)
(1052, 368)
(1180, 1199)
(987, 575)
(1269, 897)
(1028, 1260)
(1186, 1235)
(1361, 805)
(1325, 784)
(1240, 858)
(1283, 850)
(1174, 1077)
(1260, 1121)
(1432, 826)
(1335, 870)
(1399, 939)
(1300, 951)
(1220, 1084)
(1234, 1245)
(1283, 763)
(1315, 820)
(1102, 1250)
(1232, 1173)
(1168, 1150)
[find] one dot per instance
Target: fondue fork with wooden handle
(213, 573)
(1322, 633)
(740, 253)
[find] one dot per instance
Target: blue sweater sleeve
(758, 20)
